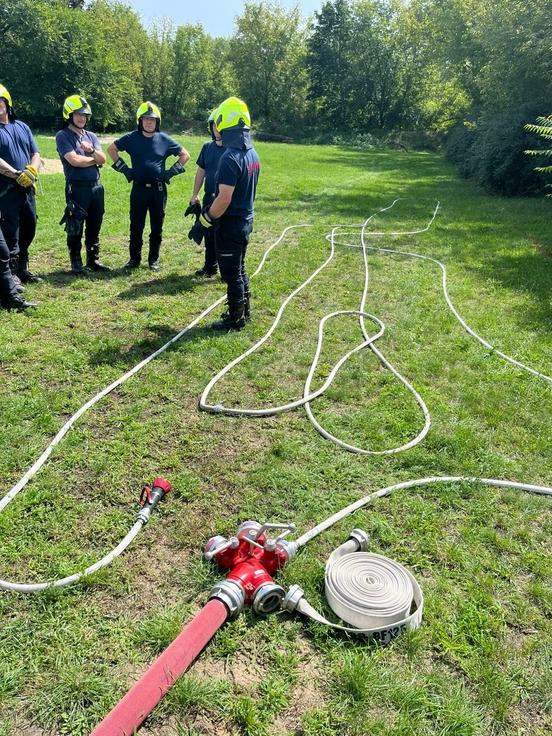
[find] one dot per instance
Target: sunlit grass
(480, 663)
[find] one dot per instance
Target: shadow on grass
(529, 273)
(63, 278)
(131, 356)
(172, 283)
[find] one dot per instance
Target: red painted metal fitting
(252, 560)
(259, 588)
(250, 575)
(163, 484)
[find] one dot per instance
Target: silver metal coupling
(268, 598)
(362, 538)
(231, 594)
(289, 546)
(292, 598)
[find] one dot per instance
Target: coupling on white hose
(376, 596)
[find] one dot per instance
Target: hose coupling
(292, 598)
(231, 594)
(268, 598)
(151, 496)
(290, 547)
(362, 538)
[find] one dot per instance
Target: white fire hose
(376, 596)
(375, 575)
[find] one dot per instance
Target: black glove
(201, 226)
(194, 208)
(73, 218)
(175, 169)
(122, 168)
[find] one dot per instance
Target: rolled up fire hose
(376, 596)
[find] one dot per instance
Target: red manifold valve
(252, 558)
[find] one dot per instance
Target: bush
(491, 152)
(414, 140)
(363, 141)
(502, 165)
(459, 147)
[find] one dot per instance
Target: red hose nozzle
(150, 497)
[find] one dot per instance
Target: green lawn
(480, 664)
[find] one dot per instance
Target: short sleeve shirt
(17, 146)
(240, 169)
(66, 141)
(148, 155)
(208, 159)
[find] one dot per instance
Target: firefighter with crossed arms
(148, 148)
(82, 157)
(231, 213)
(19, 165)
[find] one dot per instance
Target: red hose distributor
(251, 559)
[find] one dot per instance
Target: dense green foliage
(509, 80)
(356, 67)
(480, 663)
(543, 128)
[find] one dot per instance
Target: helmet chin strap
(78, 127)
(141, 125)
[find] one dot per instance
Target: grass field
(480, 663)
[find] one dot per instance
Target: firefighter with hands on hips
(148, 148)
(231, 214)
(207, 165)
(9, 296)
(19, 165)
(82, 157)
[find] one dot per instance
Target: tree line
(471, 71)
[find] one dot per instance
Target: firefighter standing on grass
(19, 165)
(207, 165)
(149, 148)
(231, 214)
(82, 156)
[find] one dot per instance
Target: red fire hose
(139, 702)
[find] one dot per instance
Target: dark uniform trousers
(18, 221)
(147, 197)
(8, 292)
(209, 239)
(231, 240)
(90, 196)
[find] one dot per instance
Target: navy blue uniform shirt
(17, 147)
(208, 159)
(67, 140)
(239, 167)
(148, 155)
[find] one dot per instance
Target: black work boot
(76, 262)
(26, 276)
(247, 305)
(93, 259)
(14, 268)
(18, 303)
(205, 272)
(234, 319)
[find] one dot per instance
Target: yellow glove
(28, 177)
